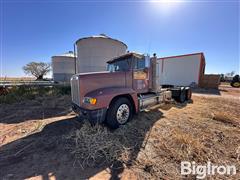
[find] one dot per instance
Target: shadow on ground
(38, 109)
(43, 154)
(206, 91)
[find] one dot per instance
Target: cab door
(141, 75)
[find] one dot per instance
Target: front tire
(119, 113)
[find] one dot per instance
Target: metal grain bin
(63, 67)
(93, 52)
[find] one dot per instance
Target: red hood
(93, 81)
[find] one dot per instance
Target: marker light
(93, 100)
(90, 100)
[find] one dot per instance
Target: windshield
(118, 66)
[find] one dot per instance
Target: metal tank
(93, 52)
(63, 67)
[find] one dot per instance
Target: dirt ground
(42, 139)
(224, 91)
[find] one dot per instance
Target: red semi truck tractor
(130, 85)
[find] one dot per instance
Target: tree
(230, 74)
(222, 78)
(37, 69)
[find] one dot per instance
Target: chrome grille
(75, 91)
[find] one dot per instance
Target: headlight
(89, 100)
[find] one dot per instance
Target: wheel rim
(123, 113)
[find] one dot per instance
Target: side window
(139, 63)
(123, 65)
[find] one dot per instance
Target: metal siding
(62, 77)
(159, 73)
(93, 53)
(180, 71)
(75, 90)
(63, 68)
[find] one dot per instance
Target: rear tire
(188, 94)
(119, 113)
(182, 96)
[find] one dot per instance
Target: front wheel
(119, 112)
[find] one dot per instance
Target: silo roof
(101, 36)
(67, 54)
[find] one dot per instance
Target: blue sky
(36, 30)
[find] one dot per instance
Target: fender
(104, 97)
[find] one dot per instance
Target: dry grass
(17, 78)
(22, 93)
(225, 118)
(93, 145)
(151, 146)
(186, 146)
(154, 144)
(24, 118)
(97, 145)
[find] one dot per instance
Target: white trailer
(183, 70)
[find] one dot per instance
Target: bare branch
(37, 69)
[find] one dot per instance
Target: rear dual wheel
(184, 95)
(188, 94)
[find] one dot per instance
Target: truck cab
(113, 96)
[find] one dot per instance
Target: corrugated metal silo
(63, 67)
(93, 52)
